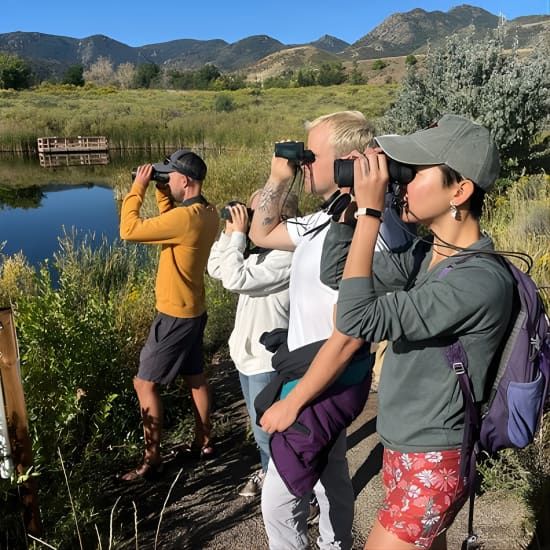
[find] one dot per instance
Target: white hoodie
(261, 280)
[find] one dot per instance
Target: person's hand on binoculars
(239, 219)
(143, 175)
(370, 178)
(282, 170)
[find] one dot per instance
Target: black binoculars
(294, 152)
(400, 174)
(159, 177)
(225, 212)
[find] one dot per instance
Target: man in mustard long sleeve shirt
(174, 345)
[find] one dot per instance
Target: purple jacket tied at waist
(300, 453)
(300, 458)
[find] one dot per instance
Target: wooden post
(16, 416)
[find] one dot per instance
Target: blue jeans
(251, 386)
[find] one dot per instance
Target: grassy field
(166, 118)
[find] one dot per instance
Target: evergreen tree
(74, 75)
(14, 72)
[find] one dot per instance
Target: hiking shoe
(253, 487)
(314, 511)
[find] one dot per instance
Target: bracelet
(368, 212)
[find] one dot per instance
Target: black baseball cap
(185, 162)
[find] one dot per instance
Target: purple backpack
(519, 392)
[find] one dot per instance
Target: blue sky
(296, 21)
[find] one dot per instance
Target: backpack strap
(458, 363)
(457, 359)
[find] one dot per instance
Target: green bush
(505, 91)
(80, 322)
(224, 103)
(379, 64)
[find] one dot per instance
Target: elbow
(126, 233)
(348, 344)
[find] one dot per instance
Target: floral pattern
(424, 492)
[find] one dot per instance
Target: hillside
(289, 59)
(400, 34)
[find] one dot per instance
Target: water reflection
(28, 197)
(52, 160)
(35, 231)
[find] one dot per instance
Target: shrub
(224, 103)
(499, 89)
(81, 322)
(379, 64)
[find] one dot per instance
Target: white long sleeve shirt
(261, 280)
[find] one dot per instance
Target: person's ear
(463, 191)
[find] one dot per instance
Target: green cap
(462, 145)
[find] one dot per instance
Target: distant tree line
(16, 73)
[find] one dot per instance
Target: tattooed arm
(266, 229)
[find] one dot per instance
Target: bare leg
(200, 397)
(381, 539)
(152, 415)
(150, 406)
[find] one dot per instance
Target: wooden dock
(72, 144)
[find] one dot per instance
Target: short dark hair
(477, 199)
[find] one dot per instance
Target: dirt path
(204, 510)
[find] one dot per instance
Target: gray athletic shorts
(174, 345)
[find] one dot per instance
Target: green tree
(379, 64)
(356, 76)
(146, 75)
(331, 73)
(480, 80)
(205, 76)
(411, 60)
(230, 81)
(306, 77)
(180, 80)
(283, 80)
(14, 72)
(74, 75)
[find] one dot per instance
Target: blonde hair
(350, 130)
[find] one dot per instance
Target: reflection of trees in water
(27, 197)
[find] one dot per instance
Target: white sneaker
(253, 487)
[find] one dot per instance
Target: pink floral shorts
(424, 492)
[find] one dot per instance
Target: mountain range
(400, 34)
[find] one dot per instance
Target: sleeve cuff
(238, 240)
(224, 239)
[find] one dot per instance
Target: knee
(196, 381)
(143, 386)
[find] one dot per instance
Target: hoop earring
(454, 211)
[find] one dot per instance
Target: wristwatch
(368, 212)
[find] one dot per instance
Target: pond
(38, 205)
(35, 230)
